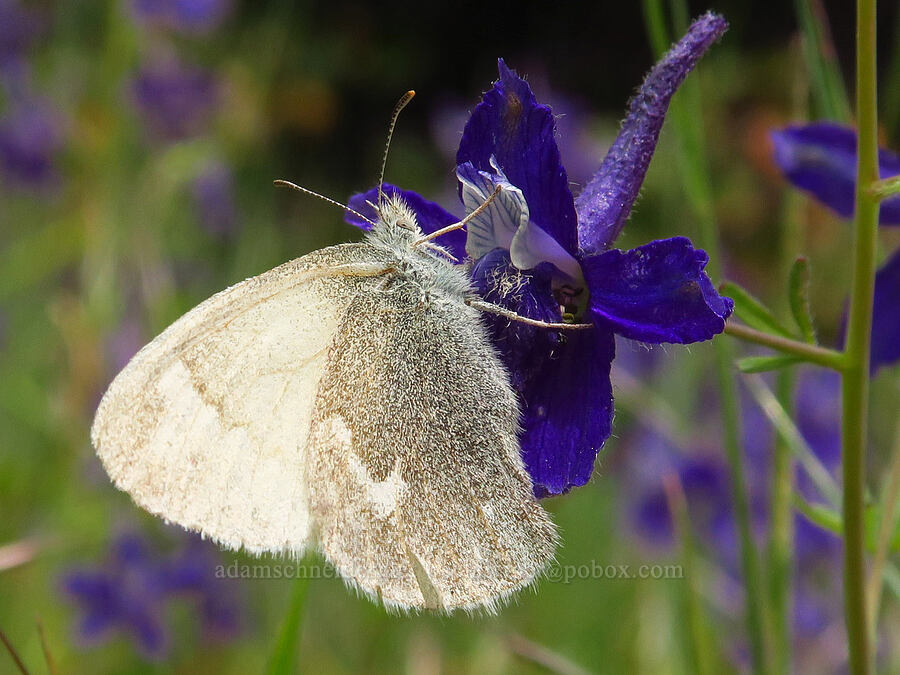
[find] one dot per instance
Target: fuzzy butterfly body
(348, 401)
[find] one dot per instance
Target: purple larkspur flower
(213, 194)
(124, 594)
(820, 158)
(130, 591)
(186, 16)
(30, 138)
(538, 251)
(176, 100)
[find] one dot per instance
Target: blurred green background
(138, 144)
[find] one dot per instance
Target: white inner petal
(505, 224)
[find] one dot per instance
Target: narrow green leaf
(283, 660)
(798, 293)
(830, 520)
(823, 516)
(829, 93)
(752, 312)
(763, 364)
(788, 431)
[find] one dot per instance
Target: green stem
(854, 431)
(686, 113)
(828, 88)
(780, 553)
(822, 356)
(701, 646)
(887, 187)
(283, 660)
(886, 529)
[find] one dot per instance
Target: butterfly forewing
(207, 425)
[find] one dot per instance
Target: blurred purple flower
(821, 159)
(30, 137)
(817, 553)
(886, 314)
(186, 16)
(18, 27)
(129, 336)
(536, 249)
(818, 415)
(176, 100)
(704, 478)
(190, 574)
(213, 195)
(130, 592)
(124, 595)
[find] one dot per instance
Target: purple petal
(523, 348)
(512, 127)
(213, 191)
(821, 159)
(18, 27)
(189, 16)
(92, 589)
(886, 319)
(818, 414)
(148, 630)
(30, 138)
(604, 204)
(176, 100)
(429, 215)
(656, 293)
(568, 412)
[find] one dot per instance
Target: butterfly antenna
(461, 224)
(401, 104)
(293, 186)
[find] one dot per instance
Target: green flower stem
(854, 431)
(780, 549)
(887, 527)
(283, 659)
(701, 646)
(887, 187)
(686, 113)
(822, 356)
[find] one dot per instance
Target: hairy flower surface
(542, 253)
(820, 158)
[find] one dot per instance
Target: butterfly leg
(491, 308)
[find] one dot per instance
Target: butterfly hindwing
(417, 491)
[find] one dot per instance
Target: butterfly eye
(404, 224)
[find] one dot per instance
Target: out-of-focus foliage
(138, 144)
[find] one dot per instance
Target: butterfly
(351, 402)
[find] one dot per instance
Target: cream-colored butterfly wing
(207, 425)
